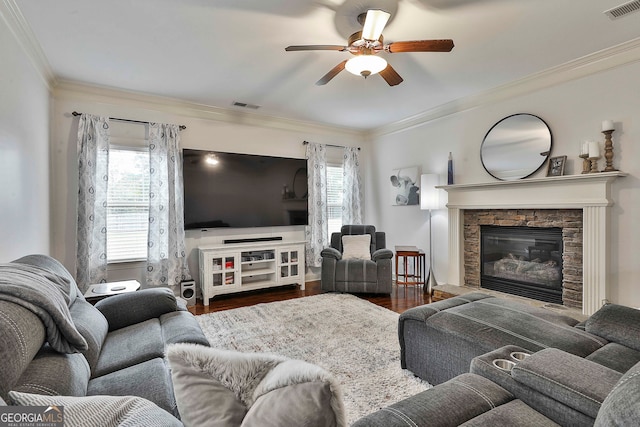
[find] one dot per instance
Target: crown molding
(27, 40)
(603, 60)
(65, 89)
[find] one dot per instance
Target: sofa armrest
(382, 254)
(135, 307)
(331, 253)
(571, 380)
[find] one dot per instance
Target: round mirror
(516, 147)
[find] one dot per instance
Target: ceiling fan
(366, 44)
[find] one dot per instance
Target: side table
(103, 290)
(410, 255)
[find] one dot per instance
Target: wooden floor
(401, 298)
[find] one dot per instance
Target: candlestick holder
(586, 164)
(594, 164)
(608, 151)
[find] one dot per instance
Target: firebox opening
(524, 261)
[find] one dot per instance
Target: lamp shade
(428, 192)
(374, 24)
(365, 65)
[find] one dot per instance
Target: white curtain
(352, 187)
(166, 257)
(93, 177)
(316, 231)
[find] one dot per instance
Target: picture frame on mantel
(556, 166)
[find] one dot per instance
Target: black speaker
(188, 291)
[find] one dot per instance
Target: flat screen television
(243, 190)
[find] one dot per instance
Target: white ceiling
(215, 52)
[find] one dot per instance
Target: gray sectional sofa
(439, 340)
(53, 342)
(499, 362)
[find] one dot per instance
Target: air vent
(245, 105)
(623, 9)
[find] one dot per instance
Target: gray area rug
(353, 339)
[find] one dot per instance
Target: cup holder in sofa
(519, 355)
(504, 364)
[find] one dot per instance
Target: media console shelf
(242, 267)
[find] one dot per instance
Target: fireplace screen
(525, 261)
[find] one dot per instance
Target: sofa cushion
(356, 247)
(102, 410)
(251, 389)
(621, 407)
(449, 404)
(92, 326)
(615, 356)
(356, 271)
(496, 322)
(513, 414)
(55, 373)
(129, 346)
(616, 323)
(150, 380)
(181, 326)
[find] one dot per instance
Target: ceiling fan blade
(391, 76)
(331, 74)
(315, 47)
(374, 24)
(420, 46)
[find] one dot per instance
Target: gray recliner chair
(357, 275)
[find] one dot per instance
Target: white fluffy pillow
(234, 389)
(356, 246)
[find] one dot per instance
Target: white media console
(241, 267)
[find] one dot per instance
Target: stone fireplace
(541, 257)
(578, 204)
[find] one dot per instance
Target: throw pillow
(356, 246)
(103, 411)
(251, 389)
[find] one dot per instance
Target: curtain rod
(330, 145)
(75, 113)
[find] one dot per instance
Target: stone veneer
(569, 220)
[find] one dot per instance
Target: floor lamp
(428, 201)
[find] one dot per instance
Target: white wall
(24, 153)
(206, 129)
(574, 110)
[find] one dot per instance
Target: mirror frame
(544, 160)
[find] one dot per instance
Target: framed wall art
(405, 186)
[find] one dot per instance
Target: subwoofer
(188, 291)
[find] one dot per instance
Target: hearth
(524, 261)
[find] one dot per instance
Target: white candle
(584, 148)
(594, 149)
(607, 125)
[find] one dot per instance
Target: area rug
(353, 339)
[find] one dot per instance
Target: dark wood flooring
(400, 299)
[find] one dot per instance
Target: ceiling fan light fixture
(374, 24)
(365, 65)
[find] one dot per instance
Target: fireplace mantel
(589, 192)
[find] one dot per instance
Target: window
(127, 204)
(334, 198)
